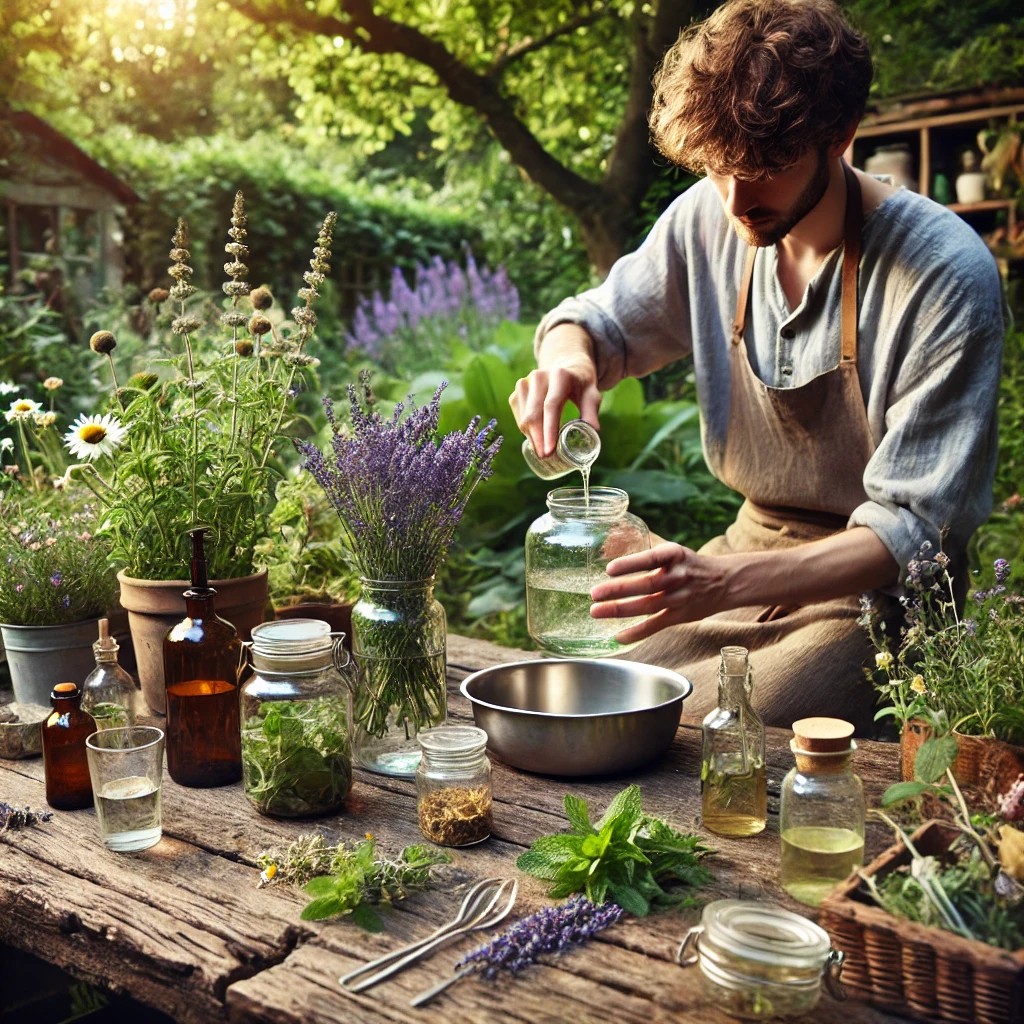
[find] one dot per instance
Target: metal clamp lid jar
(758, 960)
(296, 748)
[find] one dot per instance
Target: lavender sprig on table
(20, 817)
(549, 930)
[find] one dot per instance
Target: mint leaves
(627, 857)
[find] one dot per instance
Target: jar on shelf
(453, 785)
(972, 181)
(577, 448)
(821, 812)
(894, 161)
(567, 552)
(294, 709)
(759, 961)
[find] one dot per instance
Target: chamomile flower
(22, 409)
(93, 436)
(917, 684)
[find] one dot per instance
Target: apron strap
(852, 223)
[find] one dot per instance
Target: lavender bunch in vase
(400, 492)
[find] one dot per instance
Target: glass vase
(398, 641)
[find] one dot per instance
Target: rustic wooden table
(183, 927)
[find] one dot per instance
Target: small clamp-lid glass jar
(296, 747)
(567, 552)
(759, 961)
(453, 785)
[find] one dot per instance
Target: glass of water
(126, 769)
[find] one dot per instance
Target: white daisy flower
(93, 436)
(8, 388)
(22, 409)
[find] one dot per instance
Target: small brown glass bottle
(65, 763)
(203, 661)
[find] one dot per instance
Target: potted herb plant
(194, 443)
(956, 671)
(55, 584)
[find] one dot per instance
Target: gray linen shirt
(930, 334)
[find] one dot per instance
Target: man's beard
(774, 231)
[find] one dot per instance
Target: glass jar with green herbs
(296, 746)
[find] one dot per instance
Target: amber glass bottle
(203, 663)
(65, 763)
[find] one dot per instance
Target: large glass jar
(759, 961)
(453, 785)
(296, 752)
(399, 640)
(821, 812)
(567, 551)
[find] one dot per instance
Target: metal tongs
(486, 904)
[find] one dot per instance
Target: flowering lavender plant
(961, 670)
(445, 304)
(194, 443)
(53, 570)
(400, 493)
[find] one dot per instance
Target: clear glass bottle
(296, 753)
(577, 448)
(108, 693)
(567, 552)
(759, 961)
(733, 784)
(399, 641)
(453, 785)
(821, 814)
(203, 664)
(65, 760)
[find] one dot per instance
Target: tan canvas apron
(797, 455)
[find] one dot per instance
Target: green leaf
(367, 918)
(903, 791)
(629, 899)
(319, 909)
(322, 885)
(935, 755)
(539, 865)
(578, 814)
(626, 807)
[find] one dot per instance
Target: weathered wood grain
(182, 927)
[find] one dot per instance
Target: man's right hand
(565, 373)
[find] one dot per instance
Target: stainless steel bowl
(577, 717)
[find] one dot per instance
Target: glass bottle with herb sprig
(65, 759)
(203, 662)
(734, 796)
(108, 693)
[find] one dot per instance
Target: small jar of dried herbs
(296, 746)
(453, 785)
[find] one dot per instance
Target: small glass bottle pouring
(821, 813)
(577, 448)
(203, 664)
(65, 760)
(733, 786)
(108, 693)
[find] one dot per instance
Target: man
(846, 338)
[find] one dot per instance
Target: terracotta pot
(154, 606)
(337, 614)
(981, 762)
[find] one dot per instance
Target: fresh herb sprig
(627, 857)
(345, 879)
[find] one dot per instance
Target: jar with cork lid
(821, 813)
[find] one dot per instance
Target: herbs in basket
(400, 492)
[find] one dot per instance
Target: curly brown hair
(758, 84)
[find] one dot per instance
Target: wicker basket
(924, 973)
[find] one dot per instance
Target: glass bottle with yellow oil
(821, 813)
(734, 797)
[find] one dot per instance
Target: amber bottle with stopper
(821, 812)
(203, 663)
(65, 762)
